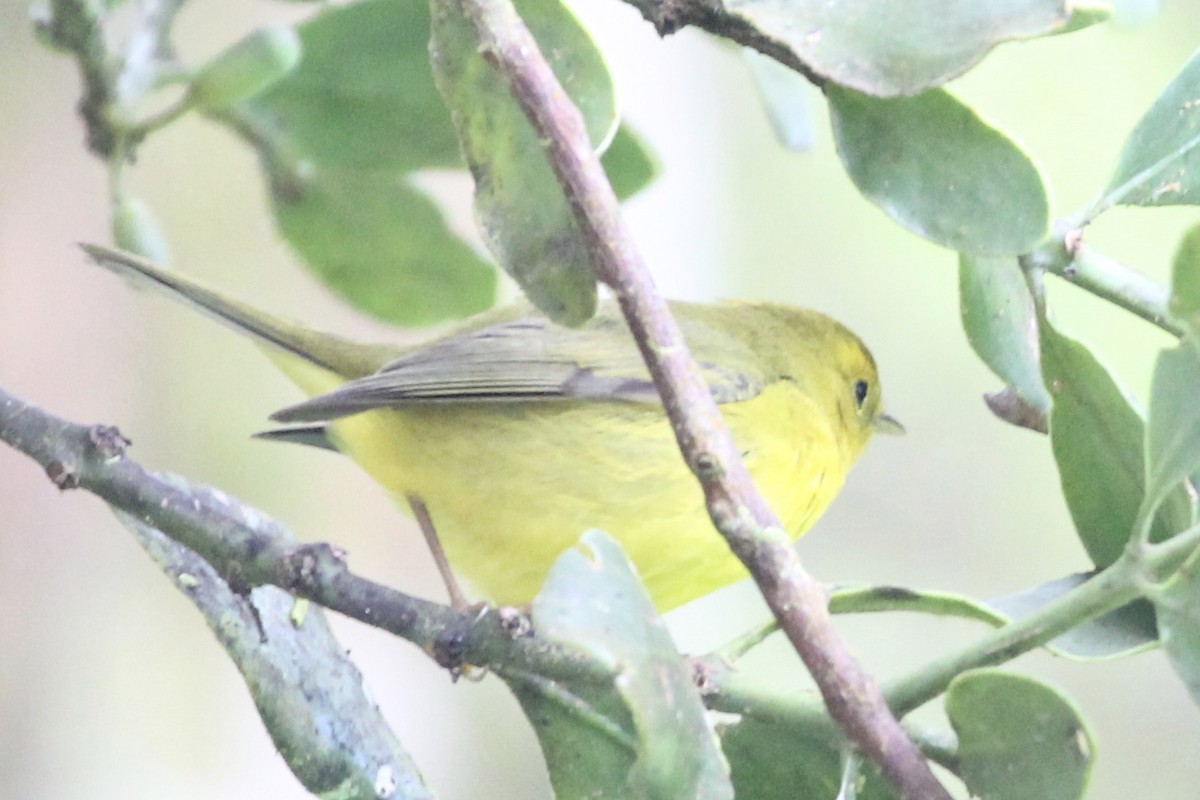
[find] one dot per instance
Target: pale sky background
(111, 686)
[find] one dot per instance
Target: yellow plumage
(519, 435)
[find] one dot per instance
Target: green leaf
(770, 759)
(251, 65)
(940, 171)
(887, 48)
(785, 97)
(1173, 423)
(1160, 160)
(338, 137)
(1097, 439)
(1018, 739)
(1185, 281)
(136, 229)
(1125, 631)
(1001, 323)
(383, 247)
(362, 96)
(1122, 632)
(1178, 607)
(628, 163)
(641, 731)
(519, 204)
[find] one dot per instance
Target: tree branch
(669, 16)
(74, 26)
(310, 696)
(739, 512)
(248, 549)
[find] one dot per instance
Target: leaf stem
(162, 118)
(1065, 255)
(1117, 585)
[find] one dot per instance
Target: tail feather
(332, 353)
(309, 436)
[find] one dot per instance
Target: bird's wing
(528, 359)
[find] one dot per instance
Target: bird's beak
(889, 425)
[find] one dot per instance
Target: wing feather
(527, 359)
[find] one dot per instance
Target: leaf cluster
(348, 110)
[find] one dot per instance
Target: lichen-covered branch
(309, 694)
(248, 549)
(751, 528)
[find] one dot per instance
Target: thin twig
(1065, 255)
(739, 512)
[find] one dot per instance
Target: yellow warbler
(519, 435)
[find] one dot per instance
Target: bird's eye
(860, 392)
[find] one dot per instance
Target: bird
(516, 435)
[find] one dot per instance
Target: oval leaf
(1178, 608)
(1018, 739)
(643, 733)
(1173, 422)
(1122, 632)
(1185, 281)
(886, 48)
(1001, 324)
(250, 66)
(1160, 162)
(519, 204)
(628, 163)
(136, 228)
(940, 171)
(1097, 439)
(362, 96)
(771, 759)
(382, 246)
(338, 137)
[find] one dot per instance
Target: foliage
(348, 107)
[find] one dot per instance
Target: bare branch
(248, 549)
(751, 528)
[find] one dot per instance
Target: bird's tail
(342, 357)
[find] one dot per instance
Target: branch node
(515, 622)
(62, 476)
(304, 567)
(707, 467)
(1073, 240)
(450, 646)
(108, 441)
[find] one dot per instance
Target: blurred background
(111, 686)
